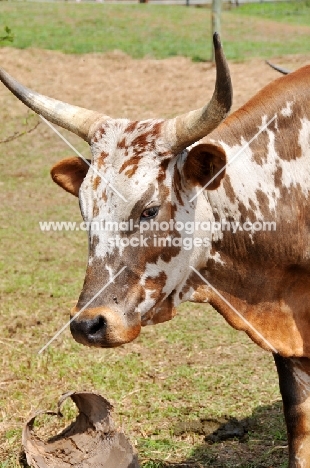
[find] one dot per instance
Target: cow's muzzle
(103, 327)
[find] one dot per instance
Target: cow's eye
(149, 213)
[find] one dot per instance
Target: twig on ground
(19, 134)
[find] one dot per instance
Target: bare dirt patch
(119, 86)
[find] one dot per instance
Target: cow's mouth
(103, 328)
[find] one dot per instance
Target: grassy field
(158, 31)
(295, 12)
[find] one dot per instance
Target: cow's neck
(258, 273)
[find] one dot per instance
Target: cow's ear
(205, 165)
(69, 174)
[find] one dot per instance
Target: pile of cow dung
(91, 441)
(215, 430)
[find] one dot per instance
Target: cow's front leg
(294, 380)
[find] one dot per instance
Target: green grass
(294, 12)
(155, 30)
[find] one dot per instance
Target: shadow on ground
(258, 441)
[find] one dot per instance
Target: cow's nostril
(91, 331)
(97, 325)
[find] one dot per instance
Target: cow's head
(140, 173)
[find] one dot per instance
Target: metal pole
(216, 20)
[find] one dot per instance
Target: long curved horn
(75, 119)
(186, 129)
(284, 71)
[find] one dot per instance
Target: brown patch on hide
(103, 155)
(263, 203)
(156, 284)
(98, 135)
(229, 189)
(288, 130)
(96, 182)
(95, 209)
(177, 186)
(132, 126)
(246, 213)
(162, 173)
(134, 162)
(278, 177)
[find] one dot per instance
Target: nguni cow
(253, 167)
